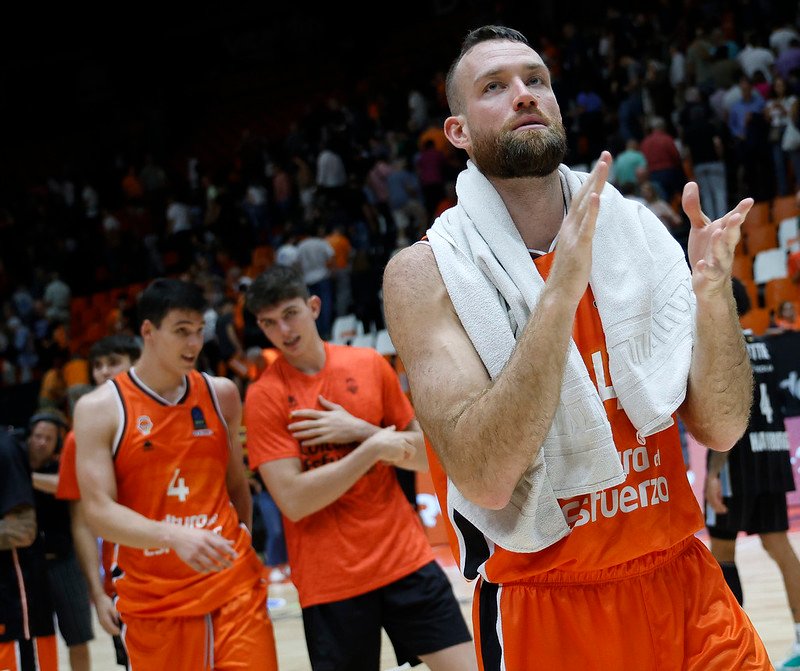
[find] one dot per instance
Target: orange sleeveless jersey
(170, 462)
(370, 536)
(652, 510)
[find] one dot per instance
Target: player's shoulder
(411, 264)
(98, 399)
(268, 384)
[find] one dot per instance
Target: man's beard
(530, 153)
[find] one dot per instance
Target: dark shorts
(419, 613)
(71, 600)
(767, 513)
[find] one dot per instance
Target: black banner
(785, 351)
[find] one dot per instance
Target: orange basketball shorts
(667, 610)
(36, 654)
(238, 636)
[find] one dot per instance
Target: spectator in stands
(748, 129)
(315, 256)
(627, 162)
(787, 318)
(663, 210)
(431, 164)
(341, 269)
(780, 107)
(788, 61)
(57, 295)
(67, 584)
(755, 56)
(664, 161)
(28, 625)
(701, 135)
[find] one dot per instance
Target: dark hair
(476, 36)
(165, 294)
(51, 416)
(741, 297)
(124, 345)
(276, 284)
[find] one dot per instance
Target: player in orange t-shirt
(326, 424)
(108, 357)
(627, 585)
(161, 474)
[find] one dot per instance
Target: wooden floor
(765, 603)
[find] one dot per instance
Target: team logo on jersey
(352, 385)
(144, 425)
(199, 423)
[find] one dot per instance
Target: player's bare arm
(301, 493)
(95, 422)
(45, 482)
(720, 388)
(713, 485)
(335, 424)
(18, 528)
(86, 550)
(236, 476)
(488, 433)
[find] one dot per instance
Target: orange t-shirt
(76, 371)
(370, 536)
(170, 462)
(341, 249)
(653, 509)
(68, 490)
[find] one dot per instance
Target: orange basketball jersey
(170, 461)
(652, 510)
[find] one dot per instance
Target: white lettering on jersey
(606, 391)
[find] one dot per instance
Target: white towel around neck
(642, 287)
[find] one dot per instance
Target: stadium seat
(758, 215)
(769, 265)
(784, 207)
(743, 267)
(788, 232)
(383, 343)
(759, 238)
(756, 320)
(345, 328)
(364, 340)
(777, 291)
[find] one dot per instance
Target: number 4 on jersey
(764, 404)
(177, 487)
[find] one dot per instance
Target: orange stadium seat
(743, 267)
(758, 215)
(757, 320)
(784, 207)
(779, 290)
(759, 238)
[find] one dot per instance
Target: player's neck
(312, 360)
(536, 205)
(168, 384)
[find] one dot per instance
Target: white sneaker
(792, 661)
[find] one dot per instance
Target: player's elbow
(492, 494)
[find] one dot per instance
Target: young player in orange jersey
(161, 474)
(108, 357)
(548, 389)
(325, 426)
